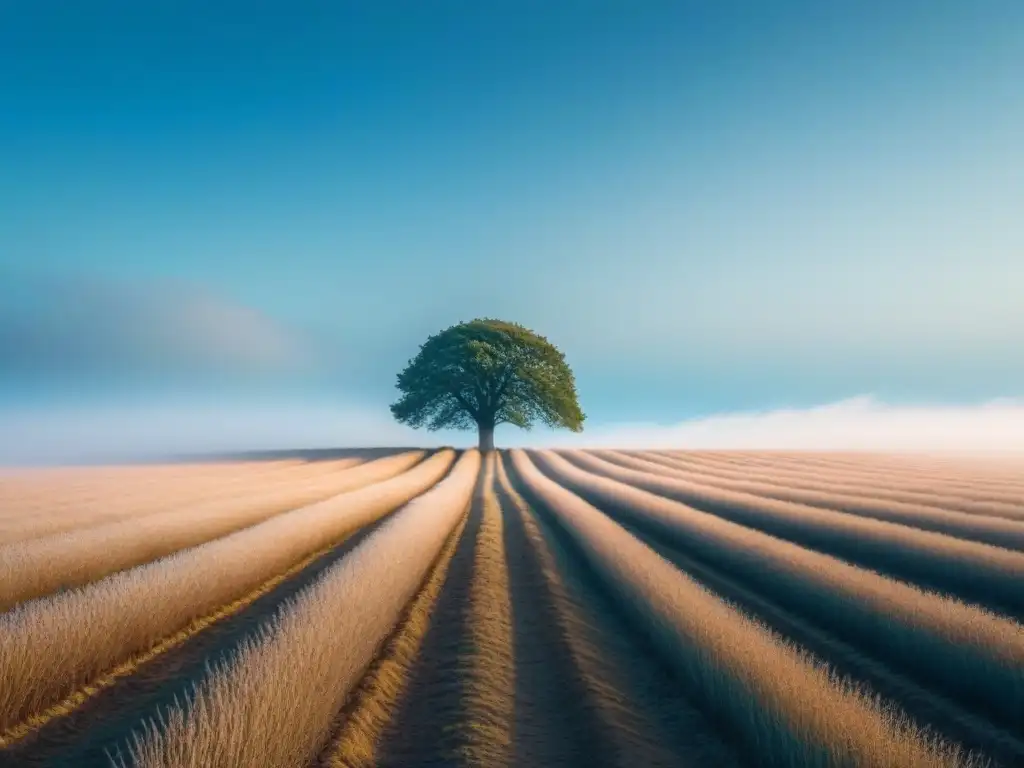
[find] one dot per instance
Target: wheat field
(517, 608)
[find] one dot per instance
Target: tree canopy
(484, 373)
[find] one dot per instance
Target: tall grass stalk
(818, 479)
(996, 531)
(785, 710)
(274, 702)
(52, 647)
(979, 572)
(136, 500)
(38, 567)
(964, 651)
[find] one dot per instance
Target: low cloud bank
(860, 423)
(127, 433)
(120, 433)
(59, 328)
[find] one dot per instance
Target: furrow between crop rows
(455, 705)
(274, 703)
(51, 648)
(996, 531)
(836, 484)
(983, 574)
(172, 494)
(39, 567)
(971, 655)
(895, 471)
(862, 665)
(644, 718)
(98, 721)
(384, 609)
(782, 709)
(51, 492)
(371, 706)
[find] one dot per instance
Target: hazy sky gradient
(709, 206)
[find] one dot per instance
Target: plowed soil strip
(43, 566)
(101, 725)
(901, 471)
(926, 707)
(372, 704)
(519, 660)
(773, 481)
(983, 574)
(462, 678)
(645, 718)
(492, 685)
(1000, 532)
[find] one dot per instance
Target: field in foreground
(523, 608)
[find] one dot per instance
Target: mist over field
(787, 225)
(125, 433)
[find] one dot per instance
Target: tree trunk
(486, 437)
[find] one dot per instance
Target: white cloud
(860, 423)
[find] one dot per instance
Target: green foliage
(484, 373)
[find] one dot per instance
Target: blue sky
(710, 207)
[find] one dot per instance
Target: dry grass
(991, 530)
(52, 647)
(785, 710)
(966, 481)
(972, 655)
(480, 640)
(992, 464)
(832, 481)
(981, 572)
(487, 727)
(893, 471)
(373, 703)
(643, 718)
(274, 702)
(53, 492)
(496, 682)
(25, 482)
(141, 499)
(38, 567)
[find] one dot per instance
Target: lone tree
(484, 373)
